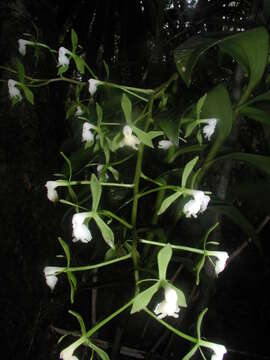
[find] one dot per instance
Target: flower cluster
(197, 205)
(169, 306)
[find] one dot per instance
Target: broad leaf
(106, 231)
(188, 169)
(259, 161)
(79, 63)
(164, 257)
(236, 216)
(218, 105)
(96, 192)
(126, 107)
(143, 299)
(28, 93)
(168, 202)
(256, 114)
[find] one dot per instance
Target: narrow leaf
(181, 296)
(106, 231)
(96, 190)
(188, 169)
(143, 299)
(126, 107)
(66, 250)
(164, 257)
(143, 136)
(169, 201)
(74, 40)
(199, 322)
(80, 320)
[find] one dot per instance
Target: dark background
(138, 47)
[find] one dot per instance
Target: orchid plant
(110, 144)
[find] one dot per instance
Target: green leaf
(168, 202)
(96, 190)
(74, 40)
(66, 250)
(236, 216)
(101, 353)
(154, 134)
(186, 150)
(79, 63)
(115, 173)
(107, 70)
(244, 47)
(250, 53)
(200, 104)
(256, 114)
(143, 136)
(260, 98)
(106, 231)
(80, 320)
(261, 162)
(73, 285)
(199, 322)
(28, 93)
(169, 126)
(20, 69)
(164, 257)
(181, 296)
(126, 107)
(218, 105)
(68, 163)
(188, 169)
(143, 298)
(99, 114)
(62, 69)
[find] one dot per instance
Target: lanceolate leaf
(96, 192)
(101, 353)
(188, 169)
(168, 202)
(256, 114)
(143, 136)
(106, 231)
(74, 40)
(143, 299)
(126, 107)
(164, 257)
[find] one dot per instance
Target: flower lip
(129, 139)
(197, 205)
(164, 144)
(51, 192)
(222, 257)
(93, 84)
(219, 351)
(22, 45)
(209, 129)
(87, 134)
(80, 230)
(63, 60)
(169, 306)
(14, 92)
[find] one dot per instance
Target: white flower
(93, 84)
(219, 351)
(22, 46)
(209, 129)
(62, 56)
(164, 144)
(50, 275)
(87, 134)
(67, 353)
(169, 306)
(199, 204)
(79, 111)
(129, 139)
(222, 257)
(51, 192)
(14, 92)
(80, 230)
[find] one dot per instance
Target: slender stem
(90, 267)
(88, 182)
(112, 215)
(176, 247)
(171, 328)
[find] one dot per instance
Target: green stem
(96, 266)
(112, 215)
(88, 182)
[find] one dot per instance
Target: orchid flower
(129, 139)
(80, 230)
(197, 205)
